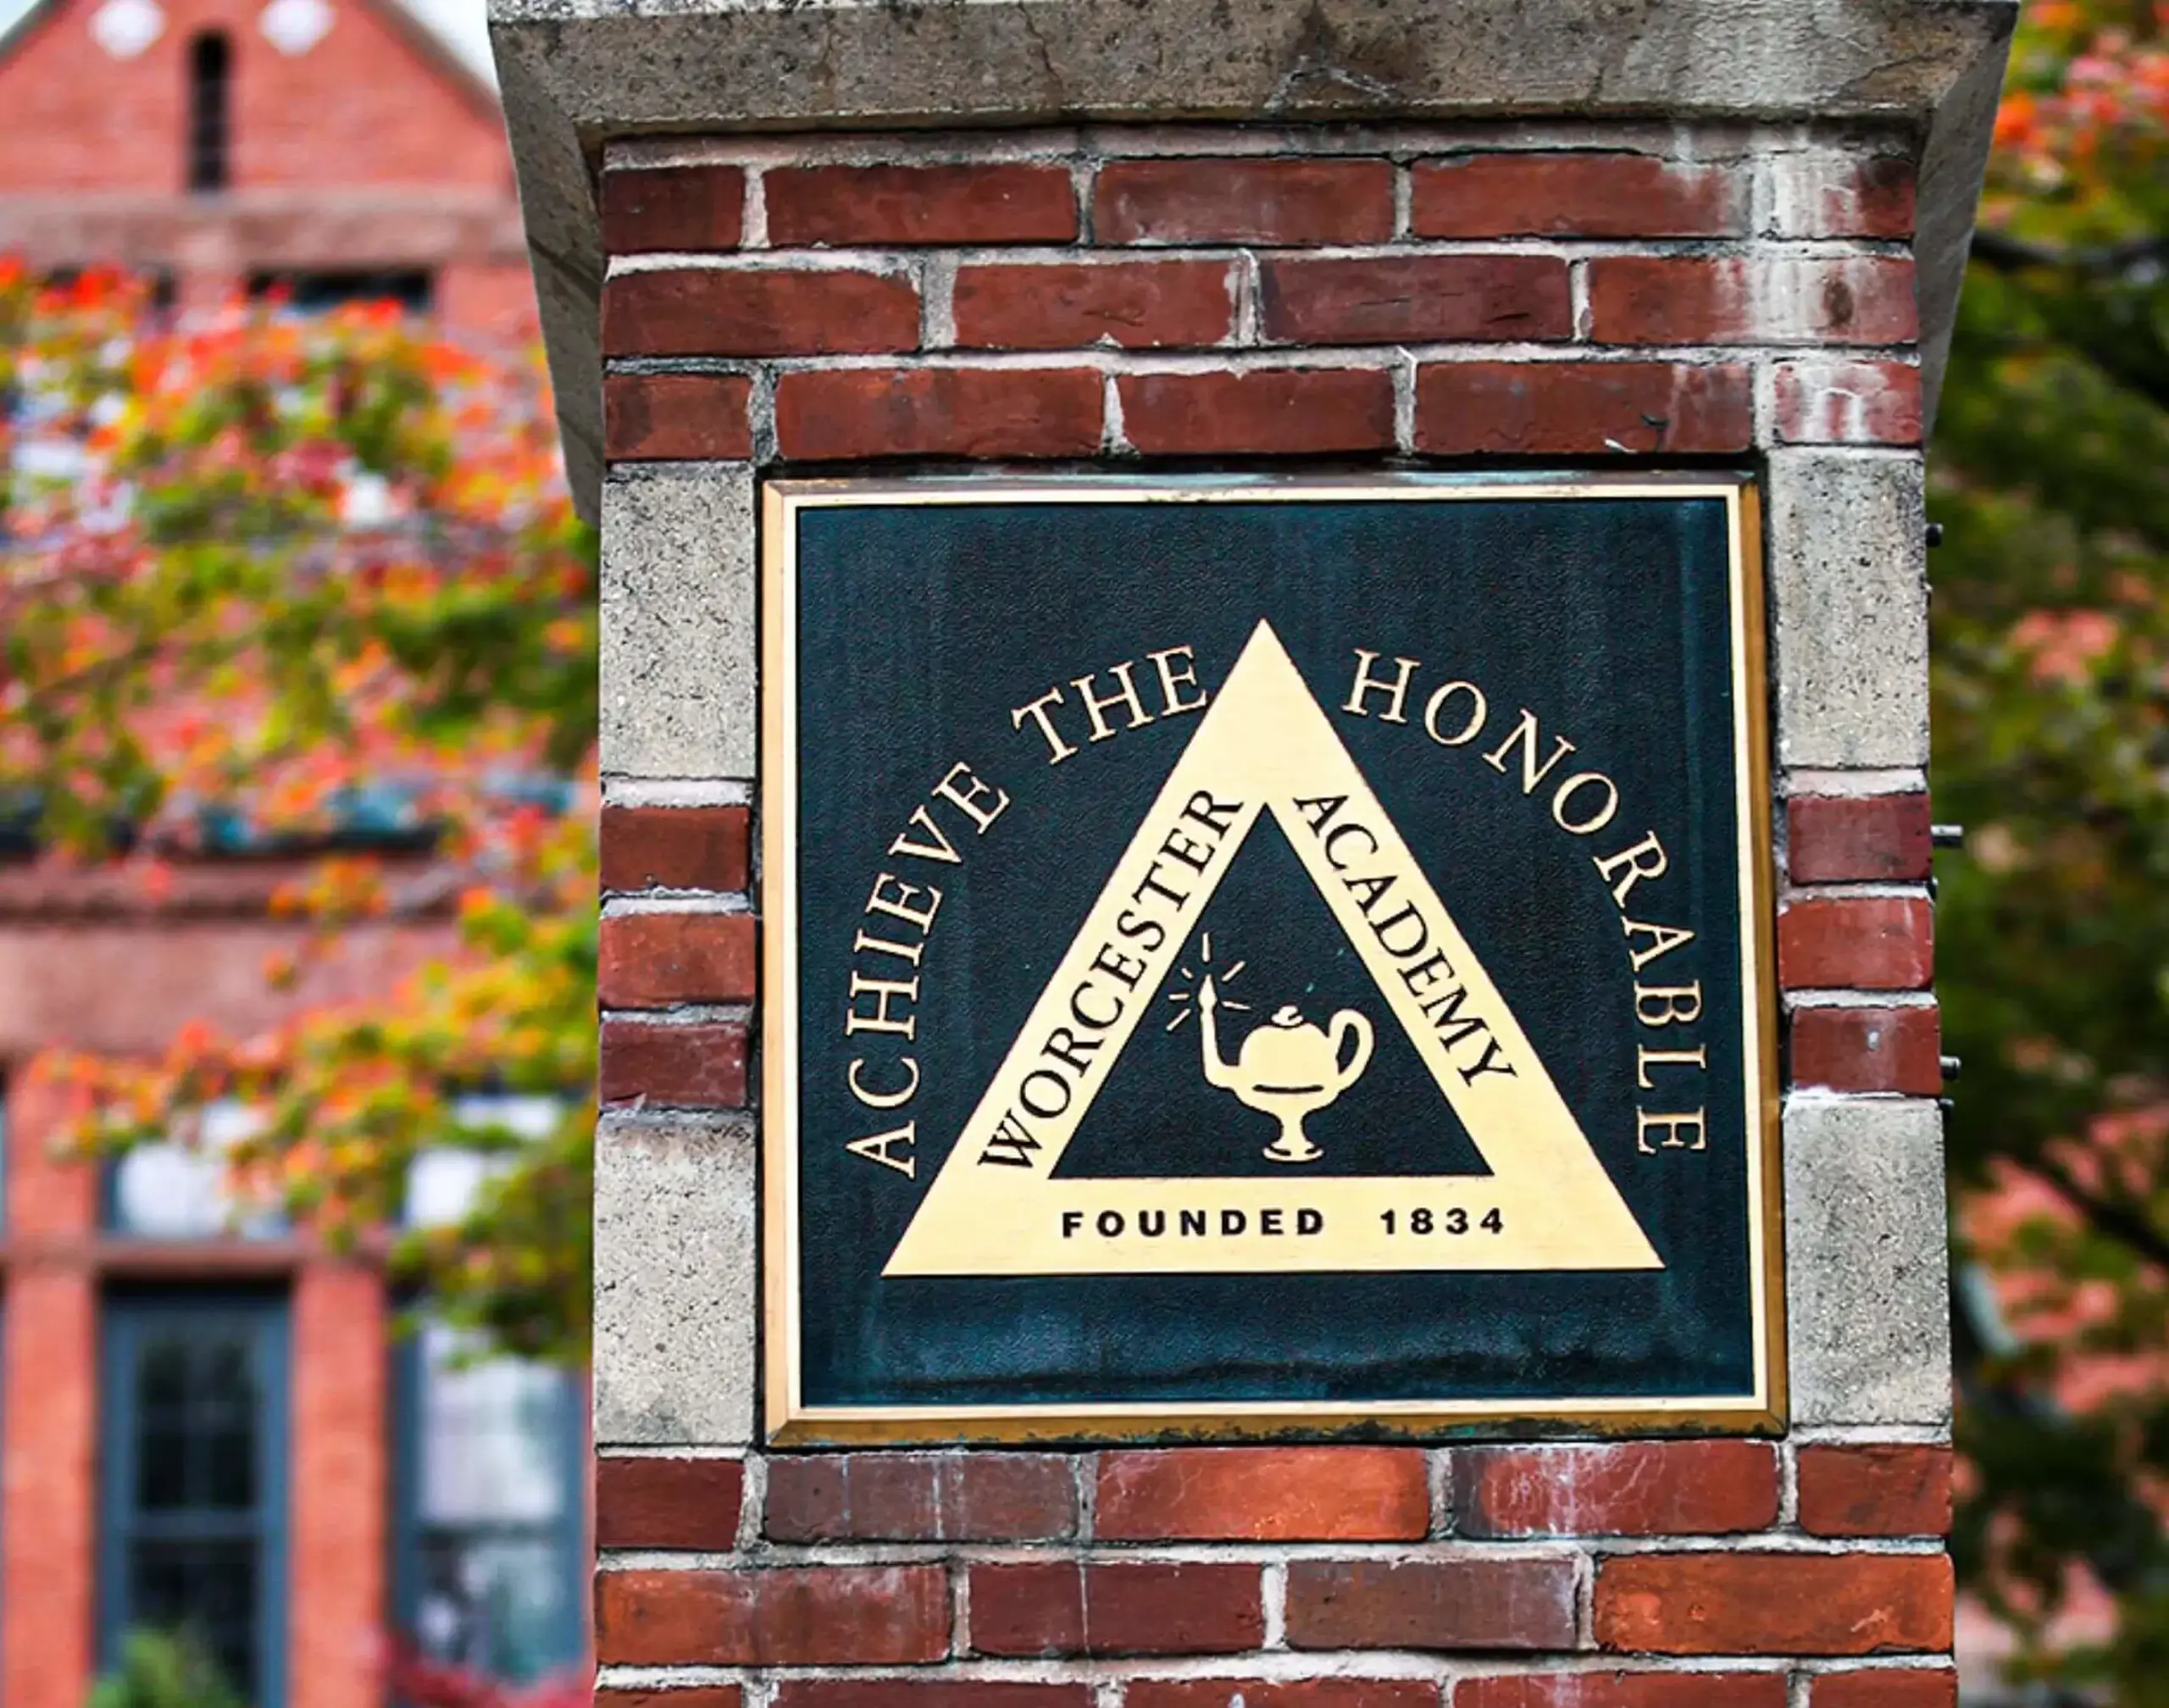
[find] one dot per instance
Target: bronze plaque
(1254, 956)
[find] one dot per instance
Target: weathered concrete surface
(676, 1284)
(575, 72)
(1848, 592)
(678, 623)
(1866, 1265)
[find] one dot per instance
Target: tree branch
(2129, 1226)
(2009, 254)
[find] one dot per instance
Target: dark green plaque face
(1264, 955)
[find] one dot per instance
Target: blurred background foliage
(2049, 472)
(262, 572)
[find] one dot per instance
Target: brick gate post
(1101, 237)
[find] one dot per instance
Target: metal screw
(1947, 836)
(1935, 532)
(1951, 1065)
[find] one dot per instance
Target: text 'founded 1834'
(1264, 957)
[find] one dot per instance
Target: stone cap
(576, 74)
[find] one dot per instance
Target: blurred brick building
(337, 146)
(205, 1420)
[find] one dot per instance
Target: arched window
(210, 104)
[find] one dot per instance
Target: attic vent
(210, 101)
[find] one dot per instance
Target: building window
(489, 1535)
(210, 111)
(316, 293)
(194, 1472)
(173, 1190)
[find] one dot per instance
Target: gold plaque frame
(790, 1422)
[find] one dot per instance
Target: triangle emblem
(1266, 745)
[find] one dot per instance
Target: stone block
(676, 1281)
(1849, 592)
(678, 634)
(1867, 1271)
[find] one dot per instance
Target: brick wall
(1382, 297)
(48, 1406)
(107, 968)
(338, 1544)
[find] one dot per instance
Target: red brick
(51, 1352)
(1636, 1488)
(1061, 1607)
(1863, 943)
(1880, 1490)
(1272, 411)
(757, 311)
(824, 1615)
(1868, 1050)
(336, 1534)
(675, 848)
(1846, 839)
(652, 960)
(1848, 403)
(1431, 1604)
(1774, 1604)
(1264, 1494)
(1880, 201)
(941, 412)
(1414, 299)
(676, 418)
(700, 1696)
(1692, 299)
(700, 1066)
(682, 208)
(1281, 1693)
(1137, 305)
(928, 1693)
(1189, 200)
(921, 1497)
(1623, 1690)
(1885, 1687)
(491, 295)
(919, 204)
(1576, 194)
(1824, 194)
(667, 1503)
(1582, 409)
(49, 1191)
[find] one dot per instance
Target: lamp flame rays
(1183, 995)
